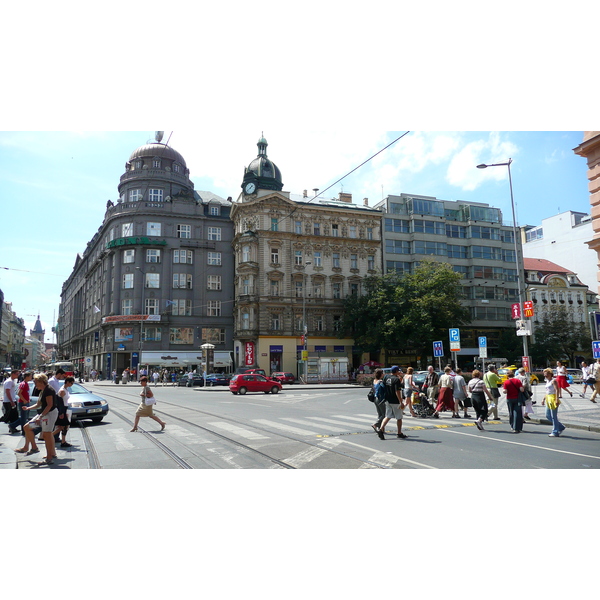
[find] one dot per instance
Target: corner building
(155, 281)
(296, 260)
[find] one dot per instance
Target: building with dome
(154, 283)
(297, 258)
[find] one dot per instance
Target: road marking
(527, 445)
(406, 460)
(245, 433)
(332, 421)
(361, 420)
(302, 422)
(283, 427)
(381, 458)
(306, 456)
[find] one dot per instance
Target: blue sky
(56, 184)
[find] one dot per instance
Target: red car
(242, 383)
(283, 377)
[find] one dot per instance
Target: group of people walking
(449, 392)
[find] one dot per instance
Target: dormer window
(215, 211)
(176, 168)
(138, 164)
(156, 163)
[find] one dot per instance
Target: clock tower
(262, 173)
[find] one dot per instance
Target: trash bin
(118, 379)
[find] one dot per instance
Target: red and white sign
(525, 363)
(515, 310)
(249, 354)
(528, 308)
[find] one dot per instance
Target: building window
(214, 211)
(456, 231)
(369, 233)
(135, 195)
(371, 262)
(486, 252)
(317, 228)
(432, 227)
(153, 256)
(183, 257)
(126, 229)
(485, 233)
(275, 322)
(336, 260)
(245, 253)
(299, 289)
(299, 322)
(184, 232)
(335, 230)
(213, 308)
(152, 334)
(354, 289)
(298, 227)
(176, 168)
(214, 282)
(214, 234)
(396, 226)
(156, 163)
(212, 335)
(318, 290)
(509, 256)
(181, 335)
(337, 290)
(397, 247)
(319, 323)
(181, 308)
(393, 266)
(273, 287)
(153, 280)
(153, 229)
(128, 256)
(456, 251)
(317, 259)
(354, 261)
(150, 306)
(182, 281)
(298, 257)
(126, 307)
(245, 320)
(275, 256)
(352, 231)
(214, 258)
(274, 224)
(155, 195)
(128, 281)
(337, 322)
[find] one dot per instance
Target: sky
(57, 183)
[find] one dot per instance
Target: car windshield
(78, 389)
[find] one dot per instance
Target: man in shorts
(393, 402)
(10, 400)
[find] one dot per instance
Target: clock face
(250, 187)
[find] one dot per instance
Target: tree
(557, 337)
(409, 310)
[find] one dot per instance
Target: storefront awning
(173, 358)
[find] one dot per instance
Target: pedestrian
(409, 389)
(552, 402)
(492, 380)
(145, 407)
(525, 380)
(431, 384)
(393, 402)
(10, 410)
(445, 396)
(479, 391)
(63, 421)
(165, 377)
(379, 392)
(24, 399)
(125, 376)
(173, 378)
(512, 386)
(561, 379)
(46, 419)
(586, 374)
(114, 375)
(594, 379)
(155, 377)
(461, 394)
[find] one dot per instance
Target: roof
(207, 197)
(158, 150)
(332, 202)
(540, 264)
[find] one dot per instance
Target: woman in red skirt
(561, 379)
(446, 396)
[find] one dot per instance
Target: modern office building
(297, 258)
(155, 282)
(473, 239)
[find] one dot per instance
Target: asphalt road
(300, 428)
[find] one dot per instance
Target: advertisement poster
(124, 334)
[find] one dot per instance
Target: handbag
(371, 395)
(522, 398)
(590, 381)
(149, 401)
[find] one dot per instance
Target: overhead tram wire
(346, 175)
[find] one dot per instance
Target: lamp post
(305, 353)
(520, 265)
(141, 322)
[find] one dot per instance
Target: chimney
(305, 194)
(345, 197)
(366, 201)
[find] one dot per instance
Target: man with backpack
(378, 398)
(393, 402)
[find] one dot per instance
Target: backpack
(380, 392)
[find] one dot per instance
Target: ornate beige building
(296, 260)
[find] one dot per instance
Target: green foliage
(510, 346)
(405, 310)
(559, 338)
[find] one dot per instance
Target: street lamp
(520, 266)
(141, 322)
(305, 353)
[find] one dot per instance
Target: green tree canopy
(413, 309)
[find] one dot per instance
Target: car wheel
(97, 419)
(243, 390)
(274, 390)
(234, 393)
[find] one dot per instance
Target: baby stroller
(422, 407)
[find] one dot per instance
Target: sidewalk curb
(594, 428)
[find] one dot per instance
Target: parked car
(283, 377)
(241, 370)
(576, 375)
(503, 374)
(251, 382)
(190, 380)
(217, 379)
(83, 403)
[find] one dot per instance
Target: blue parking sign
(454, 335)
(438, 349)
(483, 342)
(596, 349)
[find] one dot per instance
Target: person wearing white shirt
(10, 399)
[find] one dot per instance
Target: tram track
(246, 447)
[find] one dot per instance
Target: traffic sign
(515, 310)
(525, 363)
(483, 342)
(528, 308)
(454, 335)
(438, 349)
(596, 349)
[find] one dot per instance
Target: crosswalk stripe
(302, 422)
(283, 427)
(386, 460)
(362, 420)
(332, 421)
(306, 456)
(245, 433)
